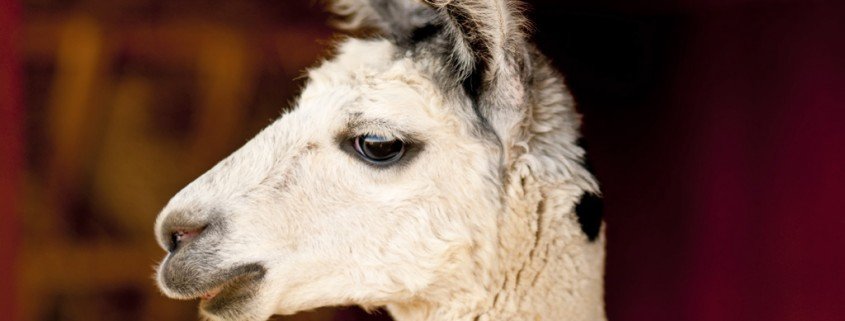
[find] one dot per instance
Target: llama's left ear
(482, 43)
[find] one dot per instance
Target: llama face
(304, 215)
(298, 218)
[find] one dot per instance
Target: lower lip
(225, 300)
(235, 291)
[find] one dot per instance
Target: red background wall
(11, 152)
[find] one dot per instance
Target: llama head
(381, 186)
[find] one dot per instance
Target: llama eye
(379, 150)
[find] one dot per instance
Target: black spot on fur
(590, 210)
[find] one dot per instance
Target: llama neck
(547, 270)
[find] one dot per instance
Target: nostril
(176, 228)
(181, 237)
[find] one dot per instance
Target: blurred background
(716, 127)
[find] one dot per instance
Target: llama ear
(402, 20)
(481, 42)
(492, 60)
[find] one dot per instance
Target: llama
(432, 169)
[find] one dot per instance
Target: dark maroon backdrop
(11, 153)
(718, 131)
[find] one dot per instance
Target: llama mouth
(233, 293)
(183, 279)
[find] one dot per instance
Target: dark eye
(379, 150)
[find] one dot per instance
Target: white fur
(456, 233)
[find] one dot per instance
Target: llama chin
(433, 170)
